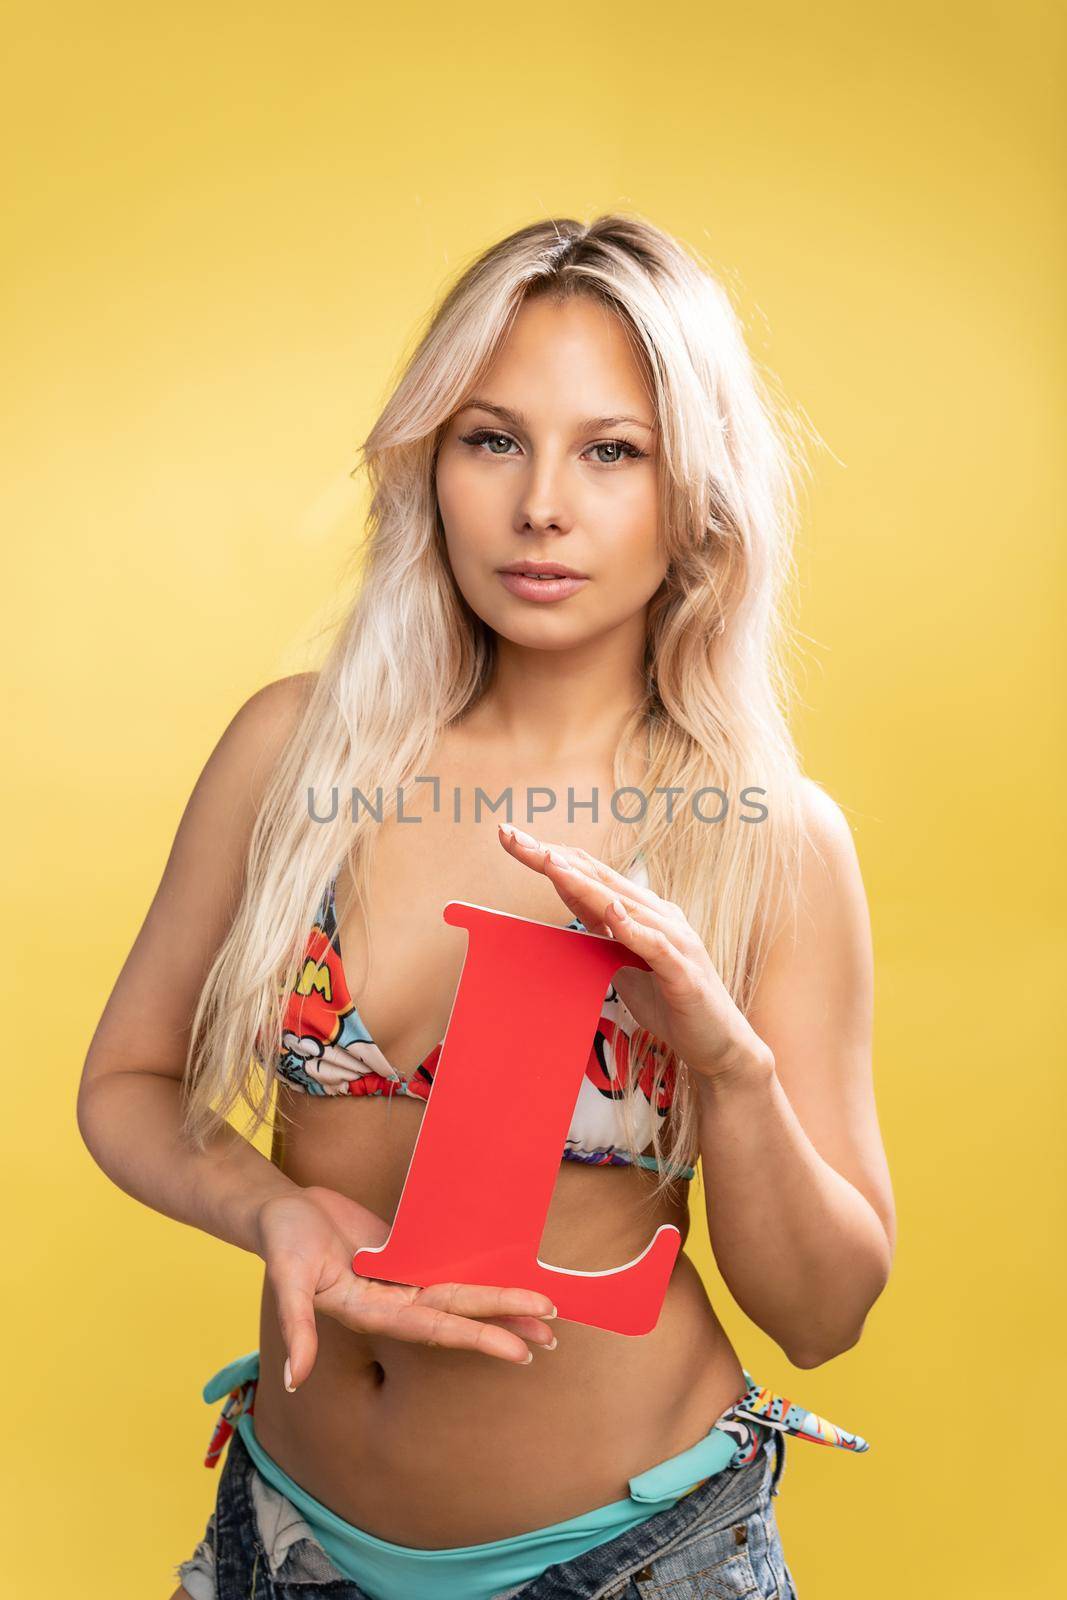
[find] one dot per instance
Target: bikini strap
(327, 913)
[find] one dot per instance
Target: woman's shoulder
(828, 854)
(826, 827)
(280, 704)
(269, 717)
(256, 736)
(812, 884)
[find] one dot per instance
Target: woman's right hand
(307, 1241)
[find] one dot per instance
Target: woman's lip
(527, 588)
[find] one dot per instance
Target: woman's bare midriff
(430, 1447)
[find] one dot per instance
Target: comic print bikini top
(327, 1049)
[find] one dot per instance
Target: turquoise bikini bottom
(479, 1571)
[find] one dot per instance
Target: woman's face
(552, 465)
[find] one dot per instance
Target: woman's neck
(552, 702)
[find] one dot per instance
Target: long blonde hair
(409, 656)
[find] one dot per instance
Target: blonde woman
(573, 591)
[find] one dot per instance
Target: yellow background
(225, 224)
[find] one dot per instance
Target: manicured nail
(507, 830)
(553, 1345)
(287, 1377)
(529, 1358)
(524, 838)
(618, 908)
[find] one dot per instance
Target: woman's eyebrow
(517, 420)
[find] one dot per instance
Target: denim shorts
(721, 1542)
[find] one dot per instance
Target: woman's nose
(543, 504)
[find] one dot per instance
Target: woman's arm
(799, 1202)
(128, 1101)
(129, 1110)
(797, 1188)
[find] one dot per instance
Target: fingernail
(553, 1345)
(529, 1358)
(524, 838)
(506, 828)
(618, 908)
(287, 1377)
(553, 1313)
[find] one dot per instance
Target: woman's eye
(622, 448)
(484, 436)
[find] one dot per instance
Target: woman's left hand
(682, 1000)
